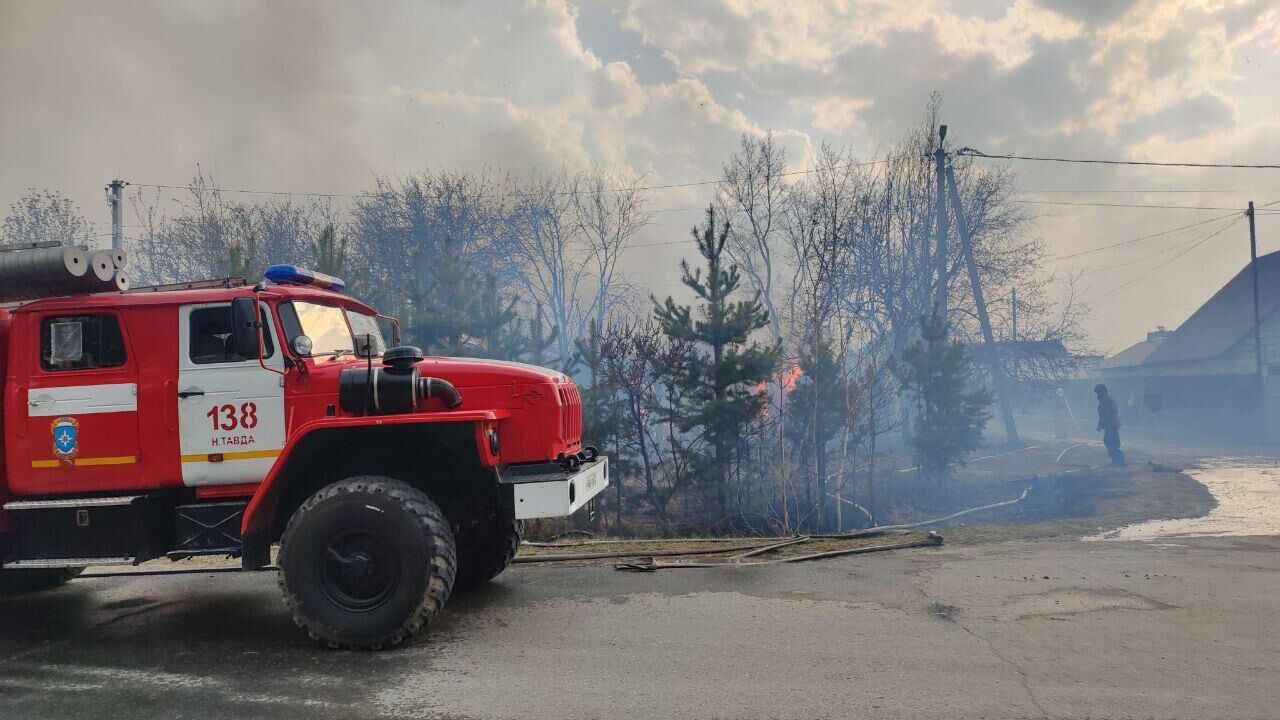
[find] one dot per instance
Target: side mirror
(395, 329)
(244, 327)
(365, 346)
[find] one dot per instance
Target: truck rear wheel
(33, 580)
(366, 563)
(487, 551)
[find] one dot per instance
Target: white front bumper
(561, 496)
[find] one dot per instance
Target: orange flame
(787, 378)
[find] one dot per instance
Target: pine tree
(332, 252)
(816, 409)
(441, 317)
(935, 373)
(726, 370)
(539, 338)
(240, 259)
(599, 394)
(496, 323)
(455, 312)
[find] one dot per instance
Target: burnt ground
(1175, 629)
(1071, 491)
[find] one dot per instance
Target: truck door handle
(184, 394)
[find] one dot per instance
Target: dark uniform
(1109, 424)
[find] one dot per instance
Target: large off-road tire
(487, 551)
(366, 563)
(15, 581)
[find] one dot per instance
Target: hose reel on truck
(42, 270)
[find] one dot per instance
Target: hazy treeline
(761, 396)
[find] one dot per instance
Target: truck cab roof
(154, 297)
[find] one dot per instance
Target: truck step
(68, 562)
(60, 503)
(185, 554)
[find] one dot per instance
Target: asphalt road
(1181, 628)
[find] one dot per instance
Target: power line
(641, 188)
(656, 244)
(1135, 279)
(1148, 256)
(1135, 191)
(971, 152)
(193, 188)
(1123, 205)
(1056, 258)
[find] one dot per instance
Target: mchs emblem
(66, 438)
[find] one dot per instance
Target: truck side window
(212, 341)
(289, 321)
(81, 342)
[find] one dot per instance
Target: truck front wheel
(366, 563)
(487, 550)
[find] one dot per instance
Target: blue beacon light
(294, 275)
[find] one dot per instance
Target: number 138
(225, 417)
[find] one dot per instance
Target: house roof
(1135, 354)
(1226, 318)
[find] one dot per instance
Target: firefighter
(1109, 424)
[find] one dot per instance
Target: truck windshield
(331, 329)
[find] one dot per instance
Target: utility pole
(993, 359)
(940, 239)
(1257, 320)
(115, 199)
(1013, 307)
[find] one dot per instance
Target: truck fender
(255, 527)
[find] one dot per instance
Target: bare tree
(609, 210)
(752, 197)
(542, 249)
(45, 216)
(824, 214)
(191, 241)
(642, 364)
(206, 235)
(562, 237)
(403, 225)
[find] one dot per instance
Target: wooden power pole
(992, 357)
(942, 223)
(1257, 318)
(1013, 310)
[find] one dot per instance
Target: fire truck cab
(225, 419)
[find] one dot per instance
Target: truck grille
(570, 413)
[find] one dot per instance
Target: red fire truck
(222, 418)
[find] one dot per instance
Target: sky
(324, 96)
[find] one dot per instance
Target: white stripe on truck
(82, 399)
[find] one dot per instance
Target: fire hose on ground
(649, 564)
(645, 561)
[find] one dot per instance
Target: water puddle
(1248, 495)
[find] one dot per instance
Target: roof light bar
(294, 275)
